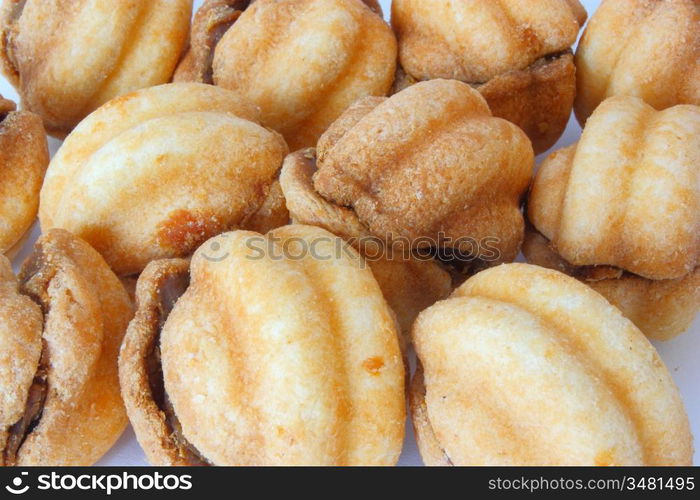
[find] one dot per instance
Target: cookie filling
(32, 412)
(170, 289)
(584, 273)
(36, 397)
(460, 264)
(405, 79)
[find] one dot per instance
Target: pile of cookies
(256, 218)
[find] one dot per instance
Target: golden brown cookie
(301, 61)
(430, 165)
(24, 156)
(155, 173)
(68, 57)
(526, 366)
(644, 48)
(622, 208)
(517, 54)
(61, 325)
(275, 350)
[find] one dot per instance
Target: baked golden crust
(620, 211)
(481, 39)
(428, 445)
(661, 309)
(73, 311)
(121, 182)
(211, 21)
(628, 194)
(309, 374)
(429, 164)
(24, 156)
(68, 57)
(538, 99)
(516, 53)
(301, 61)
(644, 48)
(576, 383)
(409, 284)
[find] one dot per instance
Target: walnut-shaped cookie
(430, 165)
(61, 325)
(526, 366)
(155, 173)
(517, 54)
(68, 57)
(303, 62)
(644, 48)
(621, 210)
(24, 156)
(271, 350)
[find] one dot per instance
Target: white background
(680, 355)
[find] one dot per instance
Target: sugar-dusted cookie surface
(429, 161)
(68, 57)
(297, 363)
(628, 194)
(301, 61)
(644, 48)
(155, 173)
(409, 284)
(526, 366)
(24, 156)
(517, 54)
(62, 321)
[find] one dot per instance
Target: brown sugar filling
(588, 272)
(36, 396)
(170, 290)
(461, 265)
(32, 412)
(542, 61)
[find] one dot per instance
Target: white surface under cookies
(680, 354)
